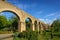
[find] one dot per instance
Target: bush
(56, 34)
(22, 34)
(30, 35)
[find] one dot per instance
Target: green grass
(19, 38)
(56, 38)
(5, 32)
(46, 36)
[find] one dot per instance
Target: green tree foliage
(14, 23)
(8, 24)
(55, 30)
(56, 26)
(3, 22)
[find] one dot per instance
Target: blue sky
(45, 10)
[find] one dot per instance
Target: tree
(3, 22)
(56, 25)
(14, 23)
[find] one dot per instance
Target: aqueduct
(22, 16)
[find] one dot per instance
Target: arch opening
(12, 21)
(28, 22)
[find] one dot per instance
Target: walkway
(6, 36)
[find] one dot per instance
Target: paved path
(5, 36)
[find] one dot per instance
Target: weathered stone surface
(2, 0)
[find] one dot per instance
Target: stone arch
(35, 24)
(2, 0)
(14, 14)
(11, 12)
(28, 23)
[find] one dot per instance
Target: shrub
(30, 35)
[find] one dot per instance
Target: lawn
(5, 32)
(55, 38)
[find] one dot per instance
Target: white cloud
(56, 14)
(25, 6)
(44, 20)
(50, 15)
(47, 21)
(39, 12)
(22, 6)
(1, 13)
